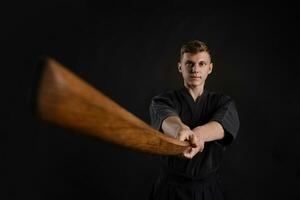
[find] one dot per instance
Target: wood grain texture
(66, 100)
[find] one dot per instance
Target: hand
(184, 134)
(196, 144)
(192, 151)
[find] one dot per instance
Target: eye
(202, 63)
(189, 64)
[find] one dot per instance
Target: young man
(208, 120)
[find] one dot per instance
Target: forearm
(172, 125)
(210, 131)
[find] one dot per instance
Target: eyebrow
(190, 61)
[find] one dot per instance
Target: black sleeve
(161, 107)
(226, 114)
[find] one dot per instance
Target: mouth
(195, 77)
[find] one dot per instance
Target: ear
(210, 68)
(179, 67)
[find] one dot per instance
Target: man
(208, 120)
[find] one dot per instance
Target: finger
(183, 136)
(187, 155)
(188, 150)
(192, 140)
(191, 154)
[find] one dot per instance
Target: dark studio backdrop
(129, 51)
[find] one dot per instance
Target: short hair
(194, 46)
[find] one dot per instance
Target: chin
(194, 83)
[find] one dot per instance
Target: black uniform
(185, 179)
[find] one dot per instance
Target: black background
(129, 51)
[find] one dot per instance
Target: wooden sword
(64, 99)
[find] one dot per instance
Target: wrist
(184, 127)
(198, 131)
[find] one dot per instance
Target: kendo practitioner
(207, 120)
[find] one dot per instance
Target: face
(195, 68)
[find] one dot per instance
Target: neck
(195, 91)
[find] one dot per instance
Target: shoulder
(218, 97)
(168, 97)
(167, 94)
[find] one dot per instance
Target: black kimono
(185, 179)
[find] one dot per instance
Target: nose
(194, 68)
